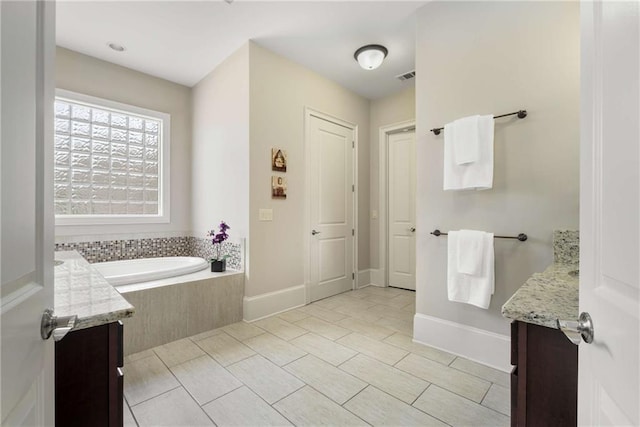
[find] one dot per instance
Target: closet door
(331, 147)
(401, 210)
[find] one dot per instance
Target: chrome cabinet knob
(583, 328)
(58, 326)
(412, 229)
(314, 232)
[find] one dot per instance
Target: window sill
(75, 220)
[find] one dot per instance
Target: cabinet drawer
(116, 375)
(514, 397)
(117, 415)
(120, 338)
(514, 343)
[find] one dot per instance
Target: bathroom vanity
(544, 378)
(88, 359)
(89, 377)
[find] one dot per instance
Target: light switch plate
(266, 215)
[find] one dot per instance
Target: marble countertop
(81, 290)
(546, 297)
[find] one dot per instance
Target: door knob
(575, 330)
(314, 232)
(412, 229)
(58, 326)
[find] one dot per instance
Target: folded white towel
(478, 174)
(465, 136)
(466, 288)
(470, 252)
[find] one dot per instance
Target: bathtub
(126, 272)
(174, 298)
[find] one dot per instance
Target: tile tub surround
(291, 379)
(81, 290)
(203, 248)
(168, 313)
(116, 250)
(566, 246)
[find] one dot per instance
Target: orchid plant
(217, 239)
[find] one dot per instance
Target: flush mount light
(370, 56)
(117, 47)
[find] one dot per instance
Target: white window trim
(163, 216)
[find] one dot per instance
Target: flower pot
(218, 265)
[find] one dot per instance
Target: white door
(332, 190)
(26, 253)
(402, 209)
(609, 368)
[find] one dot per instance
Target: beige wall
(497, 57)
(396, 108)
(280, 89)
(220, 154)
(87, 75)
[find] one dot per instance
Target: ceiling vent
(406, 76)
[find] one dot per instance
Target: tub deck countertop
(546, 297)
(81, 290)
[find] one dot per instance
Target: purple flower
(220, 237)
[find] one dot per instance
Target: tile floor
(342, 361)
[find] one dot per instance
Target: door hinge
(353, 276)
(353, 231)
(353, 188)
(353, 144)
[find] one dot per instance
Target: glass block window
(108, 161)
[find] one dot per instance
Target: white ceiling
(182, 41)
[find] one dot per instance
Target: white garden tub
(125, 272)
(174, 298)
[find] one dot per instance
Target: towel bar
(521, 115)
(522, 237)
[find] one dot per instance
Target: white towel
(470, 252)
(471, 289)
(478, 174)
(466, 135)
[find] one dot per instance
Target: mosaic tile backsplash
(566, 246)
(204, 249)
(116, 250)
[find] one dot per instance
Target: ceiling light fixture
(370, 56)
(117, 47)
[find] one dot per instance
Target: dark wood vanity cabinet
(544, 379)
(89, 377)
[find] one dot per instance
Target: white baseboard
(481, 346)
(377, 277)
(265, 305)
(364, 278)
